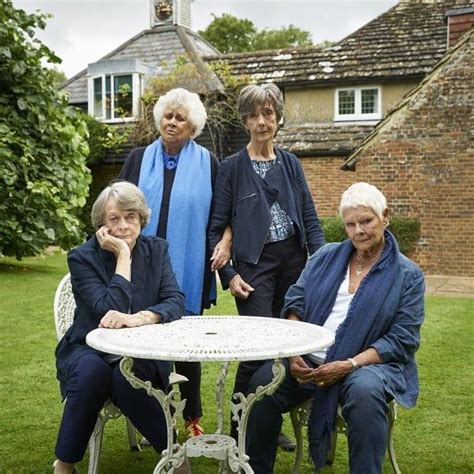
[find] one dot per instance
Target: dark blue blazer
(243, 200)
(98, 289)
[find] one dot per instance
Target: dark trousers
(91, 382)
(364, 407)
(191, 390)
(277, 269)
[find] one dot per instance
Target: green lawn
(435, 437)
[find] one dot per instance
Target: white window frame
(137, 86)
(357, 115)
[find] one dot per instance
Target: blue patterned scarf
(363, 325)
(190, 202)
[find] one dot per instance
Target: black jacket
(98, 289)
(243, 199)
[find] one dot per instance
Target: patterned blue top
(282, 226)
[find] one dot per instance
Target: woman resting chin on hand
(119, 279)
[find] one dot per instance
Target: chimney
(170, 12)
(459, 21)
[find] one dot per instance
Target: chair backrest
(64, 306)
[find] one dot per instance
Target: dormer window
(358, 103)
(113, 96)
(115, 87)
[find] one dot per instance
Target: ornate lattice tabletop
(211, 338)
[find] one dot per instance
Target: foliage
(230, 34)
(43, 177)
(58, 76)
(407, 231)
(103, 138)
(282, 38)
(221, 111)
(29, 391)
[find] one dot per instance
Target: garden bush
(407, 231)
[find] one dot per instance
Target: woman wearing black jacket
(261, 192)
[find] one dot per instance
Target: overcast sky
(82, 31)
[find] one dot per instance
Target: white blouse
(336, 317)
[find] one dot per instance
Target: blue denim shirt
(396, 346)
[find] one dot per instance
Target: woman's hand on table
(239, 288)
(116, 319)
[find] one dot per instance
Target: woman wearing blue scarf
(371, 295)
(176, 176)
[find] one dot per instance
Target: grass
(435, 437)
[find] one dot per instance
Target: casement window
(114, 97)
(358, 103)
(115, 87)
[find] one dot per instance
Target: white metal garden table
(205, 339)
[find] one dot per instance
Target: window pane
(98, 97)
(346, 102)
(108, 98)
(123, 97)
(369, 99)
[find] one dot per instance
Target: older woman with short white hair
(371, 296)
(177, 177)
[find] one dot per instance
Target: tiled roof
(454, 59)
(158, 47)
(322, 139)
(405, 41)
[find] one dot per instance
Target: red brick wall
(423, 161)
(457, 26)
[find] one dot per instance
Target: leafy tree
(282, 38)
(230, 34)
(58, 76)
(43, 176)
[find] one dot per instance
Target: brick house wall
(423, 160)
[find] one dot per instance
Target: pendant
(358, 272)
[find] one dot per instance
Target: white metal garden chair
(299, 418)
(64, 306)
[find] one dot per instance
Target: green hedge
(407, 231)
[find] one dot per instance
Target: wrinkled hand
(300, 370)
(330, 373)
(116, 319)
(221, 255)
(239, 288)
(111, 243)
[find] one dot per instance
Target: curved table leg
(220, 385)
(238, 459)
(173, 455)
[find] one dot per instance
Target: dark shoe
(286, 443)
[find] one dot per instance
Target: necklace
(362, 265)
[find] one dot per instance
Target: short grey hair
(181, 98)
(363, 194)
(253, 96)
(126, 196)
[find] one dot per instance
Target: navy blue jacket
(98, 289)
(243, 200)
